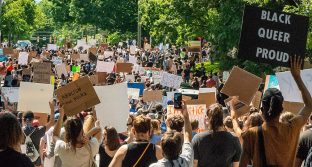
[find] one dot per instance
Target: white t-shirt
(80, 158)
(185, 159)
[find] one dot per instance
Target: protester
(277, 142)
(175, 153)
(10, 142)
(216, 147)
(109, 147)
(141, 152)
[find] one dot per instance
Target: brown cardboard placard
(155, 95)
(93, 50)
(256, 101)
(8, 51)
(77, 96)
(124, 67)
(33, 54)
(241, 108)
(42, 72)
(94, 79)
(194, 102)
(75, 57)
(207, 98)
(242, 84)
(292, 107)
(101, 77)
(186, 98)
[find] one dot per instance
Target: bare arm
(187, 126)
(159, 154)
(96, 132)
(195, 164)
(296, 64)
(235, 164)
(119, 157)
(58, 125)
(52, 113)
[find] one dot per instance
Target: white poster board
(103, 66)
(51, 47)
(132, 59)
(11, 93)
(133, 93)
(108, 54)
(35, 97)
(132, 49)
(171, 80)
(57, 60)
(23, 58)
(130, 78)
(113, 109)
(289, 88)
(207, 90)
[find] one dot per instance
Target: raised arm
(52, 113)
(58, 125)
(296, 64)
(187, 125)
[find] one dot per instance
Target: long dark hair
(272, 104)
(112, 138)
(10, 131)
(73, 128)
(215, 116)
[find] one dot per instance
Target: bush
(214, 68)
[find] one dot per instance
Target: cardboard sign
(77, 96)
(35, 97)
(241, 108)
(23, 58)
(155, 95)
(292, 107)
(207, 98)
(271, 81)
(61, 69)
(194, 46)
(94, 79)
(124, 67)
(256, 101)
(33, 53)
(244, 90)
(171, 80)
(114, 107)
(132, 50)
(84, 57)
(75, 57)
(272, 37)
(289, 88)
(103, 66)
(42, 72)
(101, 76)
(133, 93)
(137, 86)
(8, 51)
(93, 51)
(108, 54)
(11, 93)
(196, 112)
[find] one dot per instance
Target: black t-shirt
(217, 149)
(12, 158)
(105, 159)
(134, 152)
(305, 143)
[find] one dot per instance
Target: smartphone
(177, 102)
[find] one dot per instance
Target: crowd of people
(266, 136)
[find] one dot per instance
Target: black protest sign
(272, 37)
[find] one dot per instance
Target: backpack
(308, 160)
(31, 150)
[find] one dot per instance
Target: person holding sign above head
(275, 143)
(78, 148)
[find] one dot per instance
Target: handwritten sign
(133, 93)
(35, 97)
(42, 72)
(124, 67)
(23, 58)
(57, 60)
(171, 80)
(77, 96)
(289, 88)
(93, 51)
(103, 66)
(196, 112)
(11, 93)
(155, 95)
(244, 90)
(272, 37)
(101, 76)
(61, 69)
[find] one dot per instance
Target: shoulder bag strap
(261, 147)
(141, 155)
